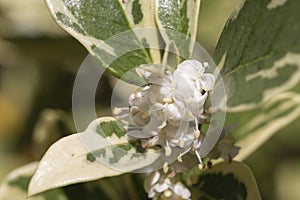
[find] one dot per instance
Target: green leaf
(16, 184)
(141, 14)
(96, 24)
(257, 126)
(226, 181)
(175, 17)
(259, 52)
(100, 151)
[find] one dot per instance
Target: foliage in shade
(226, 181)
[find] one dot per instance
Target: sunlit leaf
(175, 17)
(141, 14)
(226, 181)
(100, 151)
(96, 24)
(15, 186)
(259, 52)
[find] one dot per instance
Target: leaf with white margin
(141, 14)
(259, 52)
(257, 126)
(87, 156)
(16, 183)
(225, 180)
(178, 17)
(94, 23)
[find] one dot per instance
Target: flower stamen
(121, 116)
(179, 158)
(200, 165)
(117, 112)
(196, 134)
(196, 124)
(168, 150)
(181, 142)
(162, 125)
(205, 64)
(166, 167)
(168, 100)
(145, 115)
(168, 193)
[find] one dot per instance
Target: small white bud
(196, 134)
(205, 64)
(181, 142)
(168, 193)
(117, 111)
(168, 150)
(201, 166)
(162, 125)
(179, 158)
(126, 127)
(167, 100)
(166, 167)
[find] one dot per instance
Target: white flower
(170, 108)
(196, 71)
(158, 186)
(139, 106)
(140, 99)
(169, 112)
(181, 191)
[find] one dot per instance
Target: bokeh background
(38, 65)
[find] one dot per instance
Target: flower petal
(182, 191)
(151, 129)
(192, 67)
(207, 81)
(160, 187)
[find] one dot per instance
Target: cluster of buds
(168, 113)
(159, 186)
(170, 108)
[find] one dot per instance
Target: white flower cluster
(166, 108)
(158, 186)
(168, 113)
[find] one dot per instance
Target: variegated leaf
(100, 151)
(15, 186)
(226, 181)
(257, 126)
(96, 24)
(141, 14)
(259, 52)
(175, 17)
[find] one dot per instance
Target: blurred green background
(38, 65)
